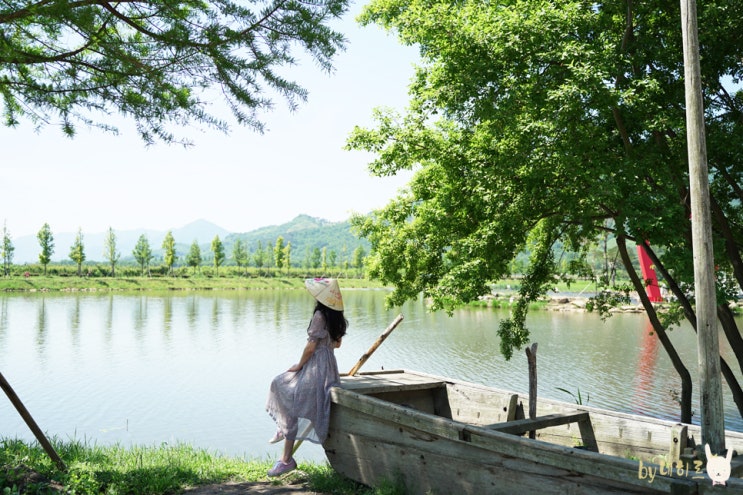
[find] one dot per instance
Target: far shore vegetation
(64, 278)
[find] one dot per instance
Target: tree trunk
(727, 372)
(678, 365)
(731, 332)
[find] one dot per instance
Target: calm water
(195, 367)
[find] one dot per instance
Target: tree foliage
(143, 253)
(169, 253)
(535, 124)
(278, 252)
(193, 259)
(110, 252)
(46, 242)
(66, 62)
(218, 251)
(6, 250)
(240, 253)
(77, 251)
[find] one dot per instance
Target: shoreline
(139, 284)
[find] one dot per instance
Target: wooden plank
(481, 406)
(388, 381)
(521, 426)
(393, 413)
(679, 439)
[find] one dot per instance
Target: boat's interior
(556, 422)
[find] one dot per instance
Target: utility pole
(708, 347)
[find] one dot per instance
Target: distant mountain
(305, 233)
(27, 248)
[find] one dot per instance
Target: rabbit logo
(718, 467)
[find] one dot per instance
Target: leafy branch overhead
(74, 63)
(543, 127)
(547, 127)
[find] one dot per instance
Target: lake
(194, 367)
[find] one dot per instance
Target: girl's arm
(309, 350)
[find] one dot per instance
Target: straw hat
(326, 291)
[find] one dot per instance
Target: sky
(240, 181)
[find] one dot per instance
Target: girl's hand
(295, 368)
(338, 342)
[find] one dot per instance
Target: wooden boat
(441, 436)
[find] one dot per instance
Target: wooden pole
(358, 365)
(376, 344)
(31, 423)
(708, 347)
(531, 358)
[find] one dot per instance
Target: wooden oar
(365, 357)
(374, 346)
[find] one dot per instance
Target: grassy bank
(56, 283)
(113, 470)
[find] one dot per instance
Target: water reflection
(194, 367)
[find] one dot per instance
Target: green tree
(218, 250)
(332, 258)
(324, 259)
(169, 255)
(46, 242)
(288, 256)
(307, 262)
(240, 254)
(143, 254)
(259, 257)
(153, 61)
(316, 258)
(6, 250)
(536, 128)
(278, 252)
(359, 255)
(193, 259)
(110, 251)
(77, 252)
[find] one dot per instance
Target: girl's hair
(335, 322)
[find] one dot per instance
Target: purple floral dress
(299, 401)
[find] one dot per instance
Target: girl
(299, 399)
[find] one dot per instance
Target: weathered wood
(31, 423)
(376, 344)
(480, 406)
(531, 358)
(679, 440)
(582, 418)
(372, 439)
(708, 347)
(522, 426)
(616, 433)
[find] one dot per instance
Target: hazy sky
(239, 181)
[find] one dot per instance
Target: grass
(56, 283)
(167, 469)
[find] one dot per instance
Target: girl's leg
(288, 447)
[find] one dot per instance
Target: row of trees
(279, 256)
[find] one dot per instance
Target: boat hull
(437, 436)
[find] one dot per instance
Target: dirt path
(251, 488)
(294, 484)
